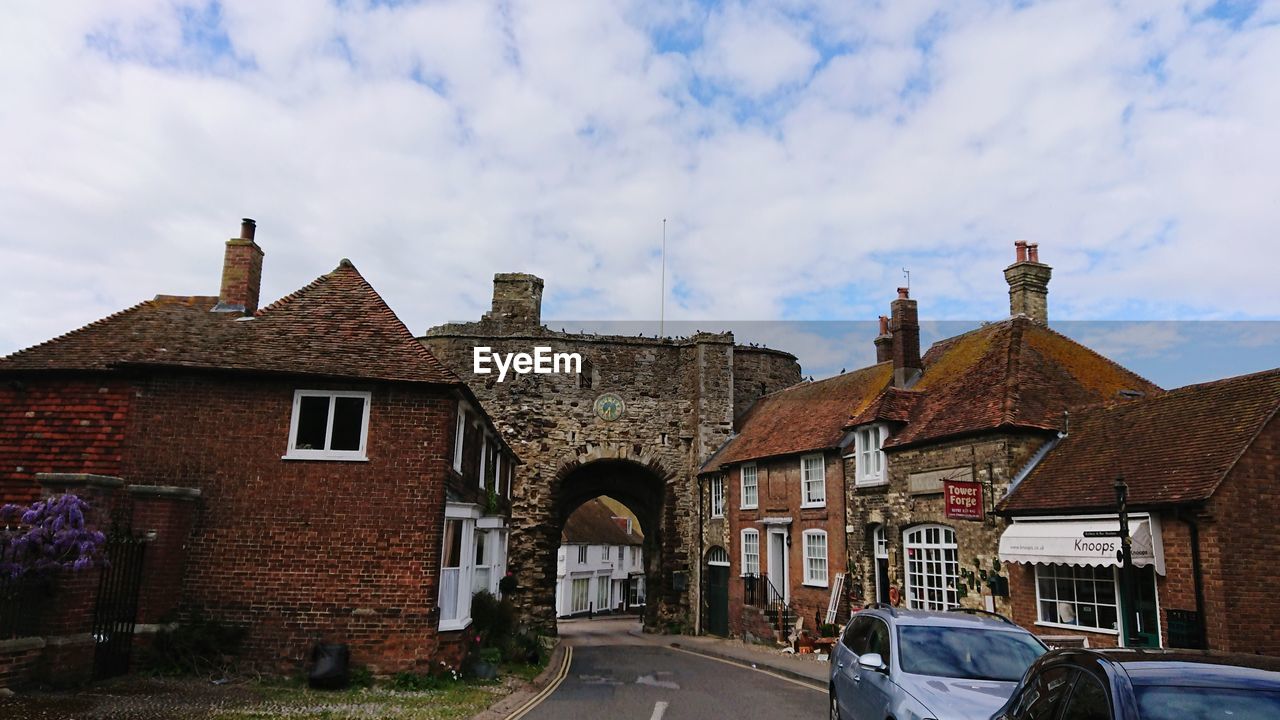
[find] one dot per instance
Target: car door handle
(840, 665)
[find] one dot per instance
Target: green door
(1147, 634)
(718, 600)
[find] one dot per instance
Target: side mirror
(872, 661)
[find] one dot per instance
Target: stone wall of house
(992, 459)
(680, 397)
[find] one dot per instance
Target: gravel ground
(144, 698)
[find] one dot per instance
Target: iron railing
(758, 591)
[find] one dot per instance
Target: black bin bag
(330, 666)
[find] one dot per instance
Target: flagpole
(662, 301)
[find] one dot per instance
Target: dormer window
(870, 457)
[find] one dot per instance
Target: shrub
(47, 537)
(197, 646)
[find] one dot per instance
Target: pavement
(624, 631)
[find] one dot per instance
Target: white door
(778, 562)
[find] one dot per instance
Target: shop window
(1083, 597)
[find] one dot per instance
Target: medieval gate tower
(679, 399)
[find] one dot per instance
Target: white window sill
(811, 505)
(1077, 628)
(452, 625)
(749, 507)
(331, 457)
(812, 583)
(718, 517)
(870, 483)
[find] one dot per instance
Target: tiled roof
(337, 326)
(593, 524)
(1013, 373)
(804, 417)
(1170, 449)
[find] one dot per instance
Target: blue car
(1146, 685)
(916, 665)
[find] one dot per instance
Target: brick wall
(780, 496)
(1239, 542)
(302, 551)
(59, 425)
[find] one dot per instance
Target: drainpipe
(702, 581)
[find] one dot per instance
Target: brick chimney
(904, 326)
(517, 300)
(884, 342)
(1028, 280)
(241, 272)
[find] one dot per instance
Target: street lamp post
(1128, 614)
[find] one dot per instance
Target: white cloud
(755, 51)
(798, 150)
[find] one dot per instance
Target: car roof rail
(893, 611)
(976, 611)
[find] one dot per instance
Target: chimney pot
(884, 324)
(904, 293)
(1033, 252)
(247, 228)
(1020, 249)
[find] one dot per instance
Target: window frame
(806, 501)
(755, 485)
(460, 437)
(863, 455)
(574, 608)
(360, 455)
(809, 579)
(717, 496)
(582, 555)
(1040, 599)
(466, 517)
(950, 592)
(747, 568)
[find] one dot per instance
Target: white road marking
(659, 709)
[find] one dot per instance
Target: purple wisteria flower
(47, 537)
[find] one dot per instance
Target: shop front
(1066, 579)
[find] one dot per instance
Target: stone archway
(673, 402)
(642, 487)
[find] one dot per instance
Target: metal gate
(117, 608)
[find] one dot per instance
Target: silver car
(915, 665)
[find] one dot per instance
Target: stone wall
(681, 397)
(992, 459)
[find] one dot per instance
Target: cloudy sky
(803, 154)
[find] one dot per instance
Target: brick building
(933, 453)
(1201, 465)
(779, 485)
(323, 476)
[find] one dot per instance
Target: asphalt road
(620, 679)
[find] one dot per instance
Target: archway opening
(642, 491)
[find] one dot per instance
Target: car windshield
(963, 652)
(1201, 703)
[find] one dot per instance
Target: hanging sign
(963, 500)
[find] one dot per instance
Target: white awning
(1065, 542)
